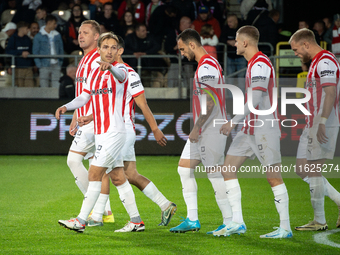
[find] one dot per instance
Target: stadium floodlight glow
(2, 73)
(61, 13)
(12, 12)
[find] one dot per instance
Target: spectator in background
(6, 33)
(204, 17)
(48, 42)
(320, 28)
(136, 6)
(150, 8)
(6, 16)
(234, 62)
(215, 8)
(336, 36)
(72, 27)
(21, 45)
(186, 8)
(41, 13)
(305, 24)
(33, 29)
(108, 18)
(250, 9)
(328, 34)
(209, 40)
(139, 44)
(162, 21)
(26, 11)
(171, 48)
(67, 88)
(127, 24)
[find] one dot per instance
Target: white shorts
(128, 150)
(266, 147)
(316, 150)
(302, 147)
(108, 150)
(209, 149)
(84, 139)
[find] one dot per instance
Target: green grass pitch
(37, 191)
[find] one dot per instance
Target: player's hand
(193, 136)
(73, 128)
(84, 120)
(103, 66)
(160, 138)
(226, 128)
(321, 134)
(60, 111)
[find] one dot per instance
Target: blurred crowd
(149, 27)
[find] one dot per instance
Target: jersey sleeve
(328, 72)
(124, 69)
(135, 87)
(208, 76)
(260, 75)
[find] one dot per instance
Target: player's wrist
(323, 120)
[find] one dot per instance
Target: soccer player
(318, 140)
(255, 138)
(83, 142)
(205, 144)
(135, 94)
(106, 87)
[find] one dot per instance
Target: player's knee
(74, 160)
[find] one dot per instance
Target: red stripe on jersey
(82, 74)
(260, 88)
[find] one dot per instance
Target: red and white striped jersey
(108, 99)
(134, 89)
(208, 74)
(87, 63)
(323, 71)
(260, 75)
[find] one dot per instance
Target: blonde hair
(108, 35)
(251, 32)
(94, 24)
(303, 34)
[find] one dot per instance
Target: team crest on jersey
(80, 79)
(106, 77)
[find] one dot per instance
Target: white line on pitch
(323, 238)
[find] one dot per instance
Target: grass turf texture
(37, 191)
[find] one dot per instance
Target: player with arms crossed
(83, 142)
(205, 144)
(318, 139)
(135, 94)
(255, 140)
(106, 87)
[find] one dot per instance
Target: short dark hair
(190, 35)
(139, 25)
(21, 24)
(121, 42)
(50, 17)
(42, 7)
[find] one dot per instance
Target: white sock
(98, 209)
(75, 163)
(90, 199)
(234, 197)
(189, 188)
(107, 207)
(330, 191)
(156, 196)
(220, 190)
(316, 187)
(127, 197)
(282, 205)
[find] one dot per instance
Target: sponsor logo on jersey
(135, 84)
(207, 78)
(103, 91)
(327, 73)
(258, 78)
